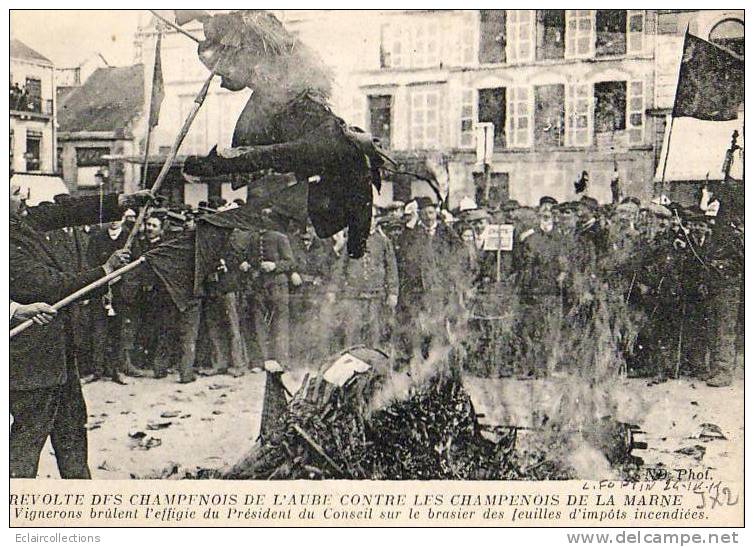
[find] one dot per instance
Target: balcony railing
(21, 101)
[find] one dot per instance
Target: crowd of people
(20, 99)
(662, 282)
(633, 288)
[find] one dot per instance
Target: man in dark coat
(70, 246)
(269, 260)
(159, 318)
(106, 313)
(314, 259)
(431, 273)
(367, 291)
(540, 282)
(45, 392)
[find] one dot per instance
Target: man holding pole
(45, 391)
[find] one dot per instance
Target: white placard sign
(498, 237)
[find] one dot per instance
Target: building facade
(100, 125)
(32, 111)
(566, 91)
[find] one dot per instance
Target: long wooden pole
(82, 292)
(672, 114)
(667, 152)
(174, 26)
(198, 101)
(150, 121)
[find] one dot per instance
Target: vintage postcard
(417, 267)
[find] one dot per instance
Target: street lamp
(102, 176)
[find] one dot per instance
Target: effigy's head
(252, 48)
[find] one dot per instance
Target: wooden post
(672, 114)
(150, 121)
(174, 26)
(82, 292)
(198, 101)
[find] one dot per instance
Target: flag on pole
(183, 263)
(710, 82)
(183, 16)
(158, 86)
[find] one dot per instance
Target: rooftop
(19, 50)
(109, 100)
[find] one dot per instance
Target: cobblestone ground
(212, 422)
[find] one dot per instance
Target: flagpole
(145, 163)
(198, 101)
(82, 292)
(667, 152)
(672, 117)
(174, 26)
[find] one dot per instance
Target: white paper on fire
(344, 368)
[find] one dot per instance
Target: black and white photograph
(379, 245)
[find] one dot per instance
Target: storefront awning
(39, 188)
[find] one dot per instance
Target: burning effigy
(287, 125)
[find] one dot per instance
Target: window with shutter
(34, 94)
(380, 118)
(635, 31)
(550, 34)
(425, 118)
(635, 112)
(33, 150)
(492, 36)
(411, 44)
(611, 26)
(519, 117)
(468, 118)
(391, 46)
(549, 113)
(386, 58)
(579, 115)
(466, 50)
(579, 33)
(520, 35)
(491, 107)
(609, 107)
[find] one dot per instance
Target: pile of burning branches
(333, 430)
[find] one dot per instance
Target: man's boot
(721, 379)
(128, 366)
(117, 378)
